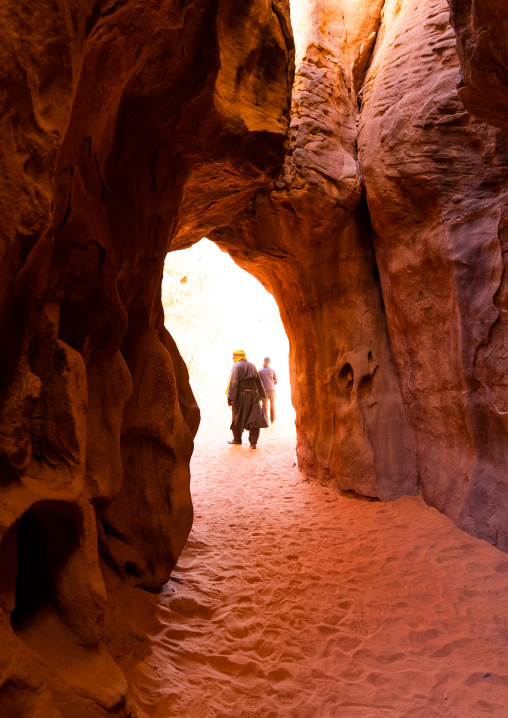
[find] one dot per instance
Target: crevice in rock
(34, 591)
(357, 497)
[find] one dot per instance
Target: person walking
(244, 392)
(269, 379)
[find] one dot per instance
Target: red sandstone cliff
(309, 240)
(436, 186)
(481, 27)
(384, 248)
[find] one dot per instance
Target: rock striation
(384, 243)
(369, 197)
(481, 27)
(309, 240)
(436, 187)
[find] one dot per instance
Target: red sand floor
(289, 601)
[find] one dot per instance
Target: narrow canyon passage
(291, 601)
(352, 157)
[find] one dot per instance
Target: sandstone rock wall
(309, 241)
(378, 221)
(383, 241)
(482, 46)
(436, 186)
(113, 115)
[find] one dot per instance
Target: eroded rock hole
(116, 541)
(130, 569)
(7, 473)
(365, 385)
(108, 529)
(46, 538)
(346, 381)
(33, 582)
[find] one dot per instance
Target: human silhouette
(269, 380)
(244, 391)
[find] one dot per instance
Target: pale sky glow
(213, 307)
(301, 21)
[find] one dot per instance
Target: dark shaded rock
(114, 115)
(482, 45)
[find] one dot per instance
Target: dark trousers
(270, 398)
(246, 414)
(253, 436)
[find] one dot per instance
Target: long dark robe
(245, 392)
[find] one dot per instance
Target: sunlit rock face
(482, 45)
(309, 241)
(113, 115)
(436, 184)
(395, 305)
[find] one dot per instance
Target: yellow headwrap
(238, 354)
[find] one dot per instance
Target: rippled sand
(291, 601)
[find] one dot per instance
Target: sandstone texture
(482, 46)
(436, 186)
(309, 241)
(371, 202)
(384, 243)
(113, 114)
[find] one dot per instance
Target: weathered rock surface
(378, 222)
(430, 346)
(436, 183)
(113, 116)
(309, 241)
(482, 45)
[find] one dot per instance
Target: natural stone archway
(409, 376)
(309, 240)
(133, 128)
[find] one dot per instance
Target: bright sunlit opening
(213, 307)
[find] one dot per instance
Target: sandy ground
(289, 601)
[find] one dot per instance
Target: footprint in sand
(474, 568)
(239, 632)
(242, 613)
(458, 645)
(189, 607)
(264, 649)
(297, 632)
(420, 591)
(347, 643)
(198, 708)
(230, 696)
(282, 595)
(364, 625)
(307, 645)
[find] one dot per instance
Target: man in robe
(245, 392)
(269, 380)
